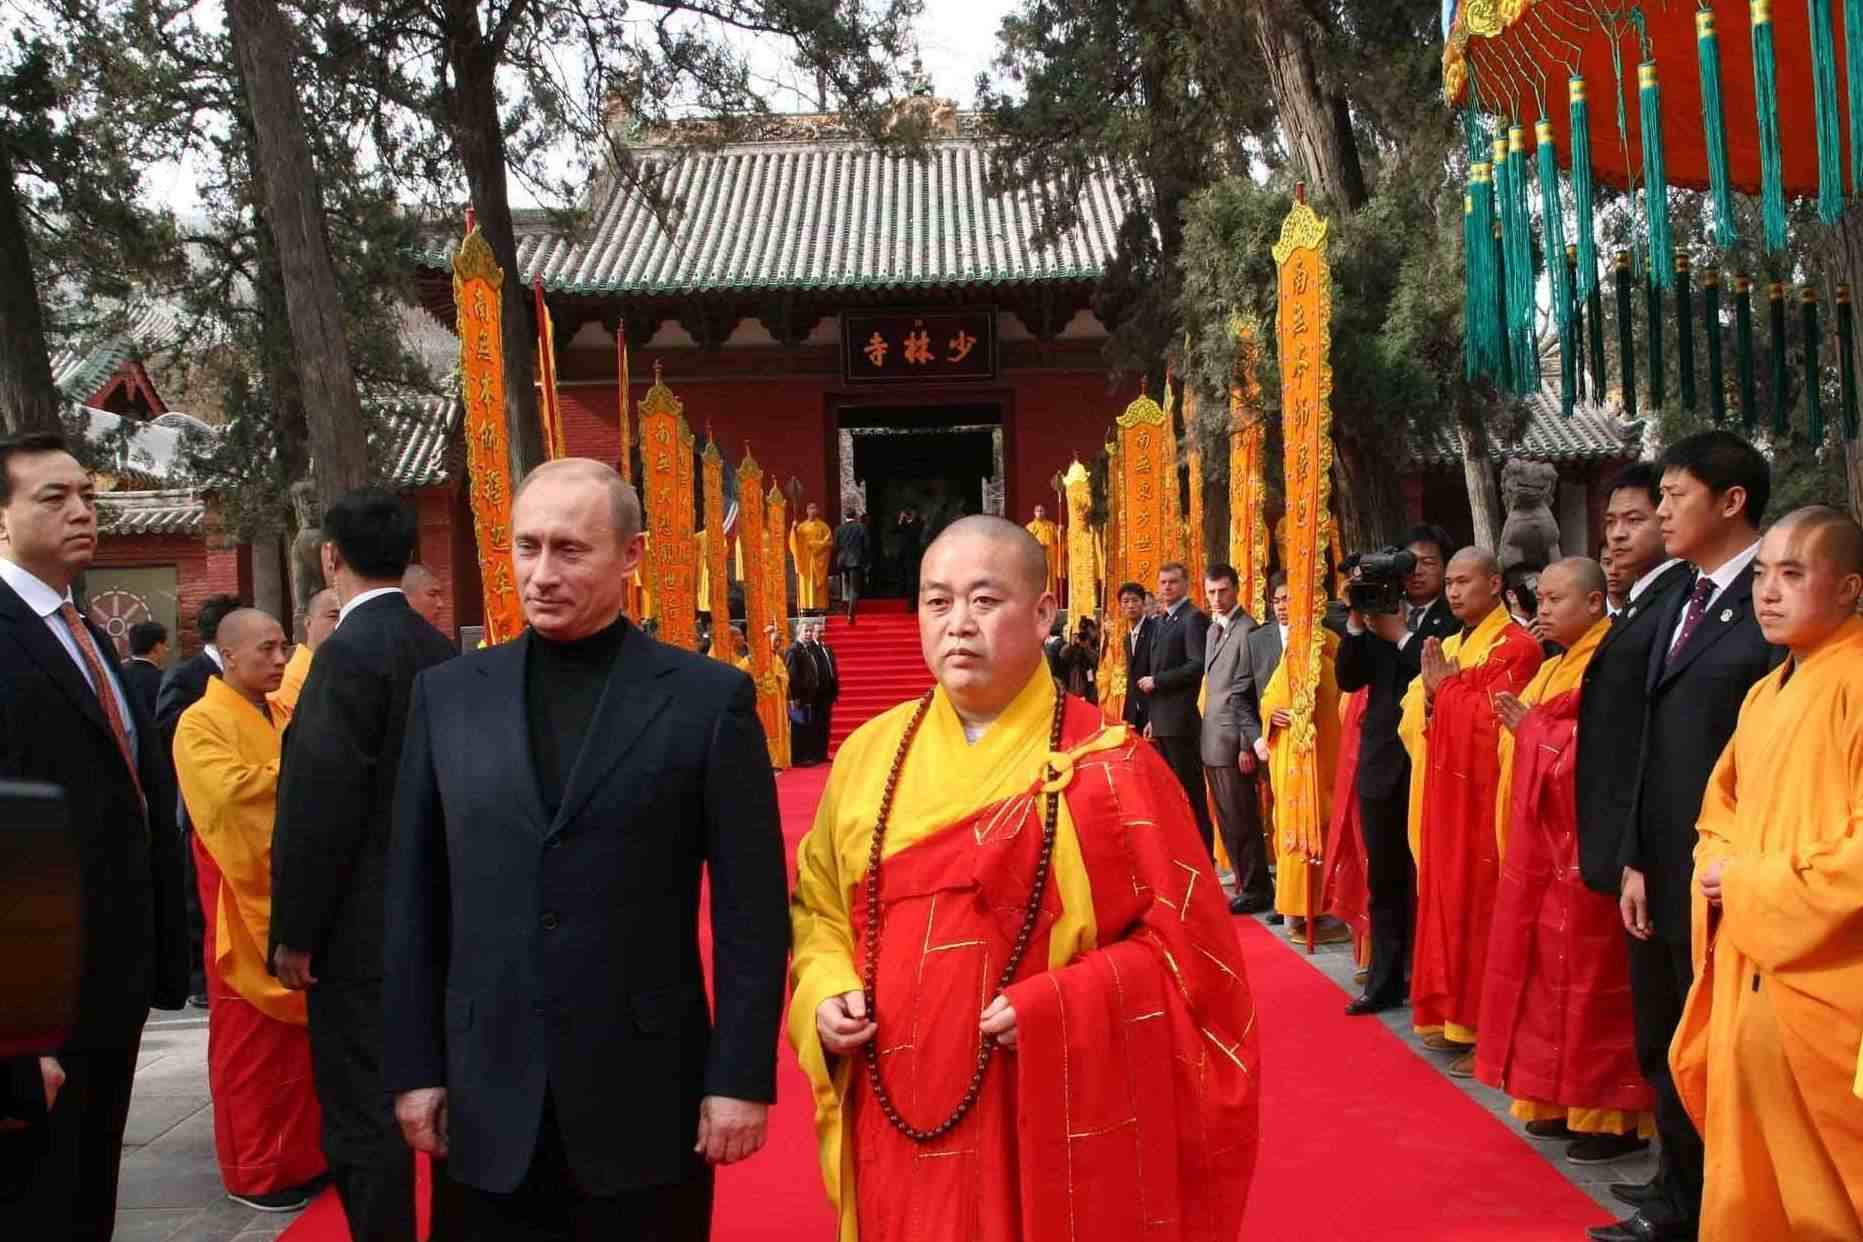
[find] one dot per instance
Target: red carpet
(880, 664)
(1361, 1138)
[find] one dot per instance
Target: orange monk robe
(1556, 1027)
(773, 709)
(1765, 1054)
(1302, 785)
(1048, 535)
(297, 668)
(809, 544)
(266, 1121)
(1130, 1108)
(1456, 752)
(1347, 895)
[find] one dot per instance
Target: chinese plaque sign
(672, 547)
(478, 284)
(1303, 330)
(903, 347)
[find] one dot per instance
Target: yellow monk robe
(1765, 1054)
(1048, 535)
(267, 1125)
(810, 541)
(1195, 1011)
(1302, 785)
(1446, 976)
(773, 710)
(297, 668)
(1562, 674)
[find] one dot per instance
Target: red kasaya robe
(1129, 1109)
(1556, 1024)
(1460, 868)
(1346, 896)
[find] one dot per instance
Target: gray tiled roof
(80, 369)
(837, 215)
(413, 440)
(1592, 433)
(151, 513)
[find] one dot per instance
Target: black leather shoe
(1636, 1194)
(1640, 1228)
(1276, 919)
(1248, 905)
(1365, 1004)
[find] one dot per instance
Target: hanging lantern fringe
(1814, 346)
(1655, 178)
(1766, 104)
(1626, 336)
(1714, 125)
(1583, 190)
(1853, 82)
(1743, 353)
(1824, 97)
(1684, 335)
(1846, 347)
(1594, 315)
(1652, 301)
(1711, 320)
(1552, 220)
(1781, 374)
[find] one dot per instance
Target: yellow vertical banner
(1147, 484)
(771, 708)
(626, 420)
(672, 554)
(1172, 528)
(1193, 479)
(549, 404)
(717, 597)
(1113, 663)
(1083, 568)
(1248, 470)
(1303, 331)
(775, 562)
(478, 284)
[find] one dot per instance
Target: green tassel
(1552, 218)
(1847, 359)
(1766, 104)
(1711, 320)
(1743, 353)
(1470, 300)
(1824, 97)
(1814, 345)
(1576, 310)
(1522, 286)
(1626, 336)
(1781, 374)
(1655, 177)
(1652, 300)
(1504, 376)
(1853, 80)
(1583, 189)
(1714, 126)
(1594, 314)
(1684, 335)
(1479, 320)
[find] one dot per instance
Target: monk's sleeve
(824, 961)
(224, 792)
(1795, 908)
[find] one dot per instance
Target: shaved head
(1480, 560)
(1027, 557)
(1830, 533)
(240, 625)
(320, 617)
(1808, 578)
(1473, 582)
(252, 646)
(1571, 599)
(1586, 574)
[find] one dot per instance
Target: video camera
(1377, 579)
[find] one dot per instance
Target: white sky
(957, 41)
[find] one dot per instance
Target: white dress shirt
(343, 613)
(1722, 578)
(1643, 584)
(45, 603)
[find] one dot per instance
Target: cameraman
(1381, 653)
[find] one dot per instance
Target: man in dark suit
(850, 559)
(329, 849)
(1705, 654)
(1172, 674)
(1229, 763)
(1384, 652)
(1261, 656)
(1138, 651)
(827, 685)
(142, 672)
(560, 796)
(67, 719)
(182, 686)
(808, 733)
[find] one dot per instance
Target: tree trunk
(1850, 238)
(478, 136)
(1484, 502)
(28, 401)
(1369, 511)
(1318, 122)
(262, 42)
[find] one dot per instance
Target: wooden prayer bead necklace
(985, 1047)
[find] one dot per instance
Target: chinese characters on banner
(771, 709)
(478, 284)
(1248, 476)
(672, 550)
(1149, 526)
(1304, 332)
(883, 347)
(717, 580)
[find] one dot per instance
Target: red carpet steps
(880, 664)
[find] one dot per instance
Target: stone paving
(171, 1184)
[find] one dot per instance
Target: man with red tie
(66, 720)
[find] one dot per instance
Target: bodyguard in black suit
(66, 719)
(1172, 674)
(142, 672)
(560, 797)
(1705, 655)
(1138, 651)
(1383, 654)
(329, 850)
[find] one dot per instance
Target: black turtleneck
(563, 684)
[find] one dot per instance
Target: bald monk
(1556, 1028)
(1119, 1080)
(320, 618)
(1048, 535)
(810, 541)
(1450, 729)
(426, 594)
(1765, 1054)
(266, 1122)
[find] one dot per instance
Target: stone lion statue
(1530, 535)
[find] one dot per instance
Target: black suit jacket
(53, 730)
(1612, 710)
(1694, 704)
(144, 680)
(1365, 660)
(336, 787)
(1138, 662)
(1175, 663)
(182, 687)
(828, 674)
(530, 954)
